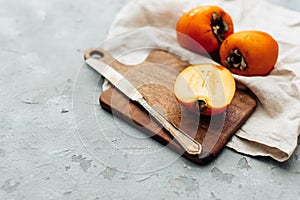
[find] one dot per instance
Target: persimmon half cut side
(249, 53)
(206, 25)
(207, 89)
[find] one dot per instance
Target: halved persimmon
(207, 89)
(249, 53)
(206, 26)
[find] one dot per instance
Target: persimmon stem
(219, 27)
(201, 105)
(236, 60)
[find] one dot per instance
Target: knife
(189, 144)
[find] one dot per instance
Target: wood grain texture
(155, 78)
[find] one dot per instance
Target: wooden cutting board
(155, 78)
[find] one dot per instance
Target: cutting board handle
(99, 54)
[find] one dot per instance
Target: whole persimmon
(204, 28)
(249, 53)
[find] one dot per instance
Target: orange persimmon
(204, 28)
(249, 53)
(207, 89)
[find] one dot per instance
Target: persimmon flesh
(207, 89)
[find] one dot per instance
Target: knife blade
(190, 145)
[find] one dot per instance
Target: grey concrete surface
(43, 149)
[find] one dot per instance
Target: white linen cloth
(273, 129)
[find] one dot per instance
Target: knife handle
(189, 144)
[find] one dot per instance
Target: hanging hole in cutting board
(94, 53)
(97, 54)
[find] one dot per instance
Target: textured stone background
(41, 154)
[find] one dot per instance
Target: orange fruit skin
(194, 31)
(209, 112)
(259, 49)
